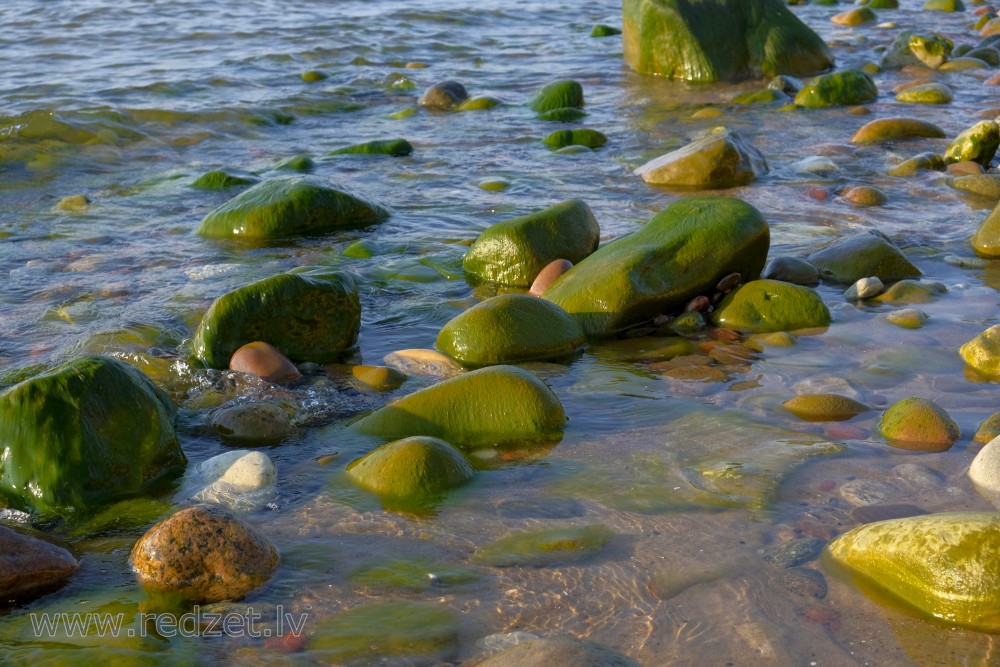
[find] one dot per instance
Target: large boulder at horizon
(681, 253)
(309, 314)
(85, 433)
(719, 40)
(720, 158)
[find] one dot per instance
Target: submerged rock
(988, 429)
(241, 480)
(926, 93)
(562, 94)
(83, 434)
(983, 352)
(940, 565)
(681, 253)
(558, 652)
(443, 95)
(30, 566)
(719, 40)
(514, 251)
(983, 185)
(895, 129)
(221, 179)
(824, 407)
(918, 424)
(862, 255)
(979, 144)
(843, 88)
(309, 314)
(720, 158)
(584, 137)
(253, 424)
(289, 206)
(265, 361)
(928, 161)
(762, 306)
(494, 404)
(912, 48)
(412, 469)
(393, 147)
(203, 554)
(539, 548)
(510, 328)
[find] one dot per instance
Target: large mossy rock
(411, 469)
(762, 306)
(510, 328)
(718, 159)
(983, 352)
(719, 40)
(309, 314)
(979, 144)
(286, 207)
(918, 424)
(851, 258)
(846, 87)
(912, 48)
(85, 433)
(986, 240)
(940, 565)
(512, 252)
(562, 94)
(682, 252)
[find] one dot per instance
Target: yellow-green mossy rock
(309, 314)
(912, 291)
(584, 137)
(983, 185)
(222, 179)
(912, 48)
(986, 240)
(824, 407)
(978, 144)
(510, 328)
(944, 5)
(415, 468)
(550, 546)
(918, 424)
(562, 94)
(84, 434)
(760, 306)
(760, 97)
(856, 16)
(851, 258)
(983, 352)
(393, 147)
(883, 4)
(289, 206)
(682, 252)
(939, 565)
(719, 40)
(926, 93)
(489, 405)
(512, 252)
(720, 158)
(921, 161)
(479, 103)
(988, 429)
(842, 88)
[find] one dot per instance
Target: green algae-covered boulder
(719, 40)
(760, 306)
(584, 137)
(944, 5)
(681, 253)
(918, 424)
(824, 407)
(479, 103)
(979, 144)
(85, 433)
(720, 158)
(221, 179)
(926, 93)
(558, 652)
(912, 48)
(512, 252)
(510, 328)
(894, 129)
(851, 258)
(548, 546)
(309, 314)
(983, 185)
(393, 147)
(846, 87)
(939, 565)
(983, 352)
(856, 16)
(289, 206)
(561, 94)
(489, 405)
(414, 469)
(602, 30)
(986, 240)
(562, 115)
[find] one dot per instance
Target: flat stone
(559, 652)
(867, 492)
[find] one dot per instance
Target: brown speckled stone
(265, 361)
(203, 554)
(29, 565)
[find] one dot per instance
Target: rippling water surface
(127, 103)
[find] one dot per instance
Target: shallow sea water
(700, 480)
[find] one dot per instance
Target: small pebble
(865, 288)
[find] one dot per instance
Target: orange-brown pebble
(846, 432)
(864, 195)
(994, 80)
(265, 361)
(965, 167)
(819, 194)
(548, 275)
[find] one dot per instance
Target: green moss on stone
(978, 144)
(393, 147)
(371, 633)
(558, 95)
(539, 548)
(584, 137)
(221, 179)
(412, 469)
(916, 423)
(849, 259)
(842, 88)
(760, 306)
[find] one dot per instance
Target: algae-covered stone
(479, 103)
(988, 429)
(373, 633)
(837, 88)
(289, 206)
(944, 5)
(883, 4)
(761, 306)
(719, 40)
(310, 314)
(300, 163)
(221, 179)
(926, 93)
(538, 548)
(494, 404)
(941, 565)
(584, 137)
(561, 94)
(393, 147)
(984, 185)
(203, 554)
(856, 16)
(986, 239)
(681, 253)
(412, 573)
(862, 255)
(414, 469)
(979, 144)
(602, 30)
(912, 48)
(983, 352)
(922, 161)
(558, 652)
(510, 328)
(443, 95)
(512, 252)
(918, 424)
(562, 115)
(912, 291)
(720, 158)
(824, 407)
(83, 434)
